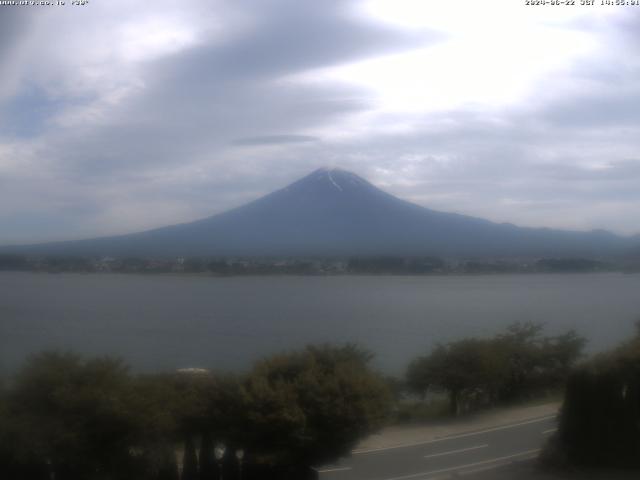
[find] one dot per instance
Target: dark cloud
(14, 25)
(233, 91)
(26, 113)
(289, 35)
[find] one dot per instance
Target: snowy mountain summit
(332, 179)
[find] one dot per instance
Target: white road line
(483, 467)
(468, 465)
(456, 451)
(551, 430)
(452, 437)
(337, 469)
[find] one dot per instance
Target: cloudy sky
(119, 116)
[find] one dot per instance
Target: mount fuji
(332, 212)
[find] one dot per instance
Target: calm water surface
(166, 322)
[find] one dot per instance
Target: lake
(159, 322)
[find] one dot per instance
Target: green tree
(536, 362)
(522, 348)
(312, 406)
(75, 415)
(469, 369)
(512, 365)
(177, 408)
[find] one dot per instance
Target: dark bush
(600, 420)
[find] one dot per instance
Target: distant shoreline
(310, 275)
(318, 266)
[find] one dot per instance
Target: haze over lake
(173, 321)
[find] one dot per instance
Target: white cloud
(494, 54)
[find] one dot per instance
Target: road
(463, 453)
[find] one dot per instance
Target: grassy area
(415, 411)
(420, 411)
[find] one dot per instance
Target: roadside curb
(432, 433)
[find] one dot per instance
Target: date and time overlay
(565, 3)
(44, 3)
(584, 3)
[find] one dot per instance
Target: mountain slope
(334, 212)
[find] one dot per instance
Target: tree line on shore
(366, 265)
(89, 419)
